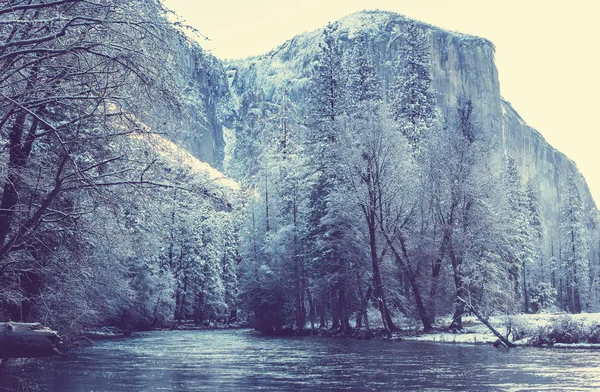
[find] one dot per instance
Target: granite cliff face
(208, 100)
(547, 167)
(461, 66)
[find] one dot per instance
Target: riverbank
(558, 330)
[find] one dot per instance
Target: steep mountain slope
(547, 167)
(207, 97)
(462, 66)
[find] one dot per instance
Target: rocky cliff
(207, 96)
(547, 167)
(461, 66)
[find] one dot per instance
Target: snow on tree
(574, 255)
(326, 93)
(273, 267)
(325, 223)
(78, 79)
(540, 270)
(412, 103)
(362, 88)
(521, 252)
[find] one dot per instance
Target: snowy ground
(527, 325)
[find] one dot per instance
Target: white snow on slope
(178, 155)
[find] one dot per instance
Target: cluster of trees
(363, 199)
(96, 226)
(575, 276)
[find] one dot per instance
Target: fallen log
(503, 339)
(27, 340)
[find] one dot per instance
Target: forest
(354, 206)
(369, 201)
(103, 219)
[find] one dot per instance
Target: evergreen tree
(519, 242)
(325, 224)
(536, 233)
(274, 263)
(326, 93)
(363, 95)
(574, 250)
(286, 176)
(412, 103)
(229, 259)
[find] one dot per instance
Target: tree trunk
(28, 226)
(27, 340)
(300, 310)
(156, 305)
(435, 273)
(335, 310)
(182, 304)
(322, 313)
(388, 318)
(362, 314)
(378, 293)
(433, 292)
(366, 321)
(460, 291)
(299, 303)
(525, 291)
(199, 316)
(362, 310)
(359, 319)
(312, 313)
(344, 313)
(404, 263)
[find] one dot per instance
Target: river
(241, 360)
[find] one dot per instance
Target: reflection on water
(240, 360)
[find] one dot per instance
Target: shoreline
(546, 330)
(550, 330)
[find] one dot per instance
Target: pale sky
(547, 51)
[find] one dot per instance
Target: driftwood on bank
(27, 340)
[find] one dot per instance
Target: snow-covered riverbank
(559, 330)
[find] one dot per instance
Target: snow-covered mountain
(461, 66)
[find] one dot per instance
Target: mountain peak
(368, 19)
(376, 20)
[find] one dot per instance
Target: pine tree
(537, 233)
(326, 97)
(574, 249)
(287, 171)
(519, 232)
(363, 95)
(412, 103)
(229, 258)
(325, 226)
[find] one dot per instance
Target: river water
(241, 360)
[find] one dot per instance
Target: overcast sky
(547, 51)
